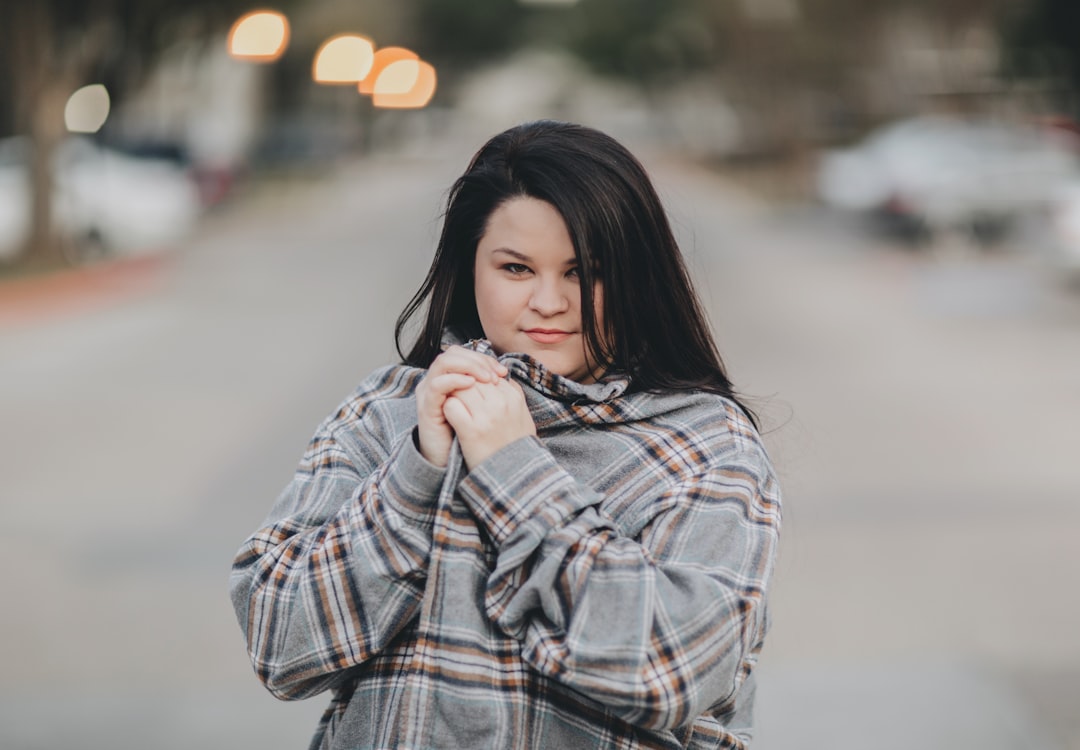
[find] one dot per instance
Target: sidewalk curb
(70, 291)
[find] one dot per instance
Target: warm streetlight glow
(87, 109)
(259, 36)
(384, 57)
(405, 84)
(398, 77)
(346, 58)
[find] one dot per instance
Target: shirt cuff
(412, 483)
(522, 490)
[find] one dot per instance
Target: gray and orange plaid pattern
(602, 585)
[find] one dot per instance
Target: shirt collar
(528, 371)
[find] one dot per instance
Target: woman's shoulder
(388, 383)
(707, 419)
(387, 393)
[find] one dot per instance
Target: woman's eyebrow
(525, 258)
(512, 253)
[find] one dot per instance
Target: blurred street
(923, 410)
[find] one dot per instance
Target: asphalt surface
(922, 410)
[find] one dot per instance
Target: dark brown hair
(654, 327)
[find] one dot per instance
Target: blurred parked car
(105, 202)
(1065, 231)
(932, 174)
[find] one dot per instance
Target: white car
(1065, 231)
(104, 201)
(942, 173)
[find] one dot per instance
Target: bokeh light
(384, 58)
(346, 58)
(405, 84)
(259, 36)
(87, 109)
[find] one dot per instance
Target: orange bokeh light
(259, 36)
(383, 58)
(405, 84)
(346, 58)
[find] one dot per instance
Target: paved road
(923, 412)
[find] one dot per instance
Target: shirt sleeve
(660, 628)
(338, 570)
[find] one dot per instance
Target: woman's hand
(487, 417)
(454, 369)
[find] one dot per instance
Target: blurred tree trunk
(48, 48)
(43, 242)
(46, 69)
(39, 97)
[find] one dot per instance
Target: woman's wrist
(429, 456)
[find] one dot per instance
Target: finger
(516, 388)
(456, 412)
(462, 366)
(459, 359)
(486, 403)
(509, 396)
(500, 391)
(452, 381)
(474, 397)
(488, 363)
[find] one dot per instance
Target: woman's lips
(548, 337)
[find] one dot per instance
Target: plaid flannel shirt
(600, 585)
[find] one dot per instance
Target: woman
(552, 526)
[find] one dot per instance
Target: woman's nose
(549, 298)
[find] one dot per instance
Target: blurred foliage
(75, 42)
(1043, 42)
(643, 40)
(655, 41)
(457, 35)
(646, 42)
(639, 40)
(49, 48)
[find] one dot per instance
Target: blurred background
(211, 214)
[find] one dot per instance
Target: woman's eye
(573, 272)
(516, 268)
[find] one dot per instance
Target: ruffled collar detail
(528, 371)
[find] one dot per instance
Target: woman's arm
(660, 628)
(338, 570)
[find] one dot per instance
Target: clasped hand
(466, 393)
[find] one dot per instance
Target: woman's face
(527, 292)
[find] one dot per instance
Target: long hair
(654, 327)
